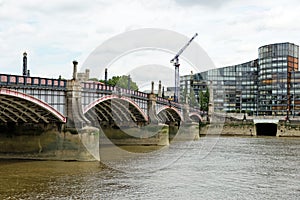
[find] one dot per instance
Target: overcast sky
(54, 33)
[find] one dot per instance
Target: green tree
(204, 100)
(122, 82)
(189, 98)
(93, 79)
(201, 100)
(183, 95)
(193, 100)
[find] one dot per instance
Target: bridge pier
(188, 132)
(173, 129)
(184, 132)
(74, 112)
(151, 108)
(40, 141)
(156, 135)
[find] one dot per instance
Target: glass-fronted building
(276, 64)
(269, 85)
(234, 87)
(295, 93)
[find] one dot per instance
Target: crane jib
(176, 64)
(184, 47)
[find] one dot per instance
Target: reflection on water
(236, 168)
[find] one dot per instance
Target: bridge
(28, 104)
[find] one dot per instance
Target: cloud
(56, 32)
(143, 75)
(212, 4)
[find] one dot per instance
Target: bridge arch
(112, 108)
(19, 107)
(195, 117)
(169, 114)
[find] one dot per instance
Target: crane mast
(175, 62)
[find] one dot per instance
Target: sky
(54, 33)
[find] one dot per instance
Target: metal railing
(15, 80)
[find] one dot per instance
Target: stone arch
(168, 114)
(21, 107)
(112, 108)
(196, 117)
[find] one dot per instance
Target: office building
(269, 85)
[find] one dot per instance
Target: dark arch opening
(172, 118)
(195, 118)
(267, 129)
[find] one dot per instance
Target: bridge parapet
(195, 109)
(97, 86)
(165, 102)
(93, 91)
(23, 81)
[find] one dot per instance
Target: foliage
(189, 98)
(204, 100)
(183, 96)
(193, 100)
(93, 79)
(122, 82)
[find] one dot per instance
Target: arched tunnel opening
(266, 129)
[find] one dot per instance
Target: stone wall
(241, 128)
(291, 129)
(237, 129)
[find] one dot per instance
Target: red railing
(7, 79)
(91, 85)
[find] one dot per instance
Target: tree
(93, 79)
(189, 98)
(122, 82)
(204, 100)
(183, 95)
(193, 100)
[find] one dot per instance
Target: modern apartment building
(269, 85)
(277, 63)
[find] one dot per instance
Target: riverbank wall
(232, 127)
(288, 129)
(229, 129)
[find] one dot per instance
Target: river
(227, 168)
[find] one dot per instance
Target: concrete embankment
(227, 129)
(288, 129)
(281, 128)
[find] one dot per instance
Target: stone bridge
(31, 106)
(44, 100)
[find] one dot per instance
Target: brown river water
(230, 168)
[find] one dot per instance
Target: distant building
(269, 85)
(83, 76)
(167, 93)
